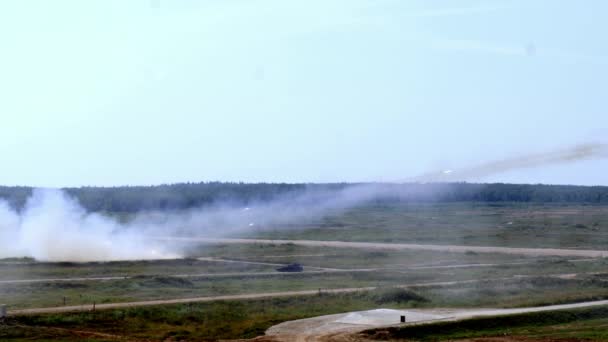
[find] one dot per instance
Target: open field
(474, 224)
(303, 171)
(564, 252)
(222, 319)
(230, 319)
(37, 270)
(166, 279)
(231, 290)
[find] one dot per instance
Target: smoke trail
(54, 227)
(563, 156)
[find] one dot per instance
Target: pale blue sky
(146, 92)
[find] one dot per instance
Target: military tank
(295, 267)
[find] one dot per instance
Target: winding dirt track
(193, 275)
(307, 270)
(106, 306)
(588, 253)
(90, 307)
(330, 336)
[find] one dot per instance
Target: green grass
(139, 288)
(148, 288)
(43, 270)
(518, 225)
(351, 258)
(483, 224)
(14, 333)
(250, 318)
(522, 292)
(394, 269)
(209, 321)
(239, 319)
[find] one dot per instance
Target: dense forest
(189, 195)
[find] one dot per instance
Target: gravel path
(589, 253)
(193, 275)
(76, 308)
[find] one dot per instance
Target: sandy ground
(342, 327)
(589, 253)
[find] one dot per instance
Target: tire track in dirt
(589, 253)
(107, 306)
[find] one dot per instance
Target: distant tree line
(128, 199)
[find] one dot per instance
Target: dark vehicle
(291, 268)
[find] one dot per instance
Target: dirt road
(90, 307)
(588, 253)
(307, 270)
(76, 308)
(193, 275)
(262, 263)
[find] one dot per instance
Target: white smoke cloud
(54, 227)
(9, 229)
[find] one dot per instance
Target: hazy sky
(145, 92)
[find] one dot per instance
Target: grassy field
(475, 224)
(11, 270)
(500, 289)
(250, 318)
(466, 280)
(198, 321)
(348, 258)
(152, 280)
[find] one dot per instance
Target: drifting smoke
(556, 157)
(54, 227)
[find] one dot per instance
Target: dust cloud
(53, 226)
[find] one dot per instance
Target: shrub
(397, 295)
